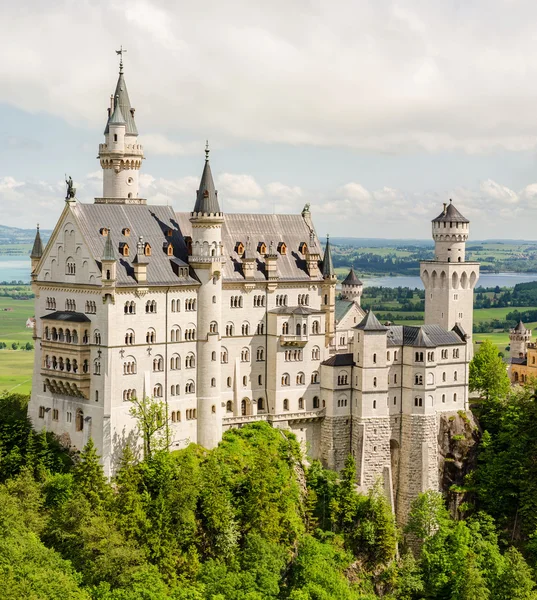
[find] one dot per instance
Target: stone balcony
(302, 416)
(293, 340)
(127, 149)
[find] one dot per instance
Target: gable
(353, 315)
(67, 257)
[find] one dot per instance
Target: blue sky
(373, 112)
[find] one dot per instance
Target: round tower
(519, 338)
(121, 155)
(352, 287)
(449, 280)
(207, 260)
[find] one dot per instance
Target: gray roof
(125, 105)
(108, 252)
(295, 310)
(70, 317)
(207, 196)
(342, 308)
(117, 116)
(291, 229)
(351, 279)
(153, 223)
(328, 267)
(425, 336)
(519, 361)
(450, 213)
(520, 328)
(340, 360)
(37, 250)
(371, 323)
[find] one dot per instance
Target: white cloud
(377, 76)
(158, 144)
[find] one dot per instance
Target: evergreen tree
(89, 477)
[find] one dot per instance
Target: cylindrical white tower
(449, 280)
(519, 338)
(121, 155)
(207, 260)
(352, 287)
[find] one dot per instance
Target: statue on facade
(71, 191)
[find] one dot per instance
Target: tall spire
(37, 250)
(207, 196)
(328, 267)
(122, 99)
(108, 252)
(117, 117)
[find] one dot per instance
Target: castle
(235, 318)
(522, 355)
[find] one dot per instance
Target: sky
(373, 112)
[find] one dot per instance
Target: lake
(485, 280)
(15, 268)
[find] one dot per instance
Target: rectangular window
(41, 412)
(55, 414)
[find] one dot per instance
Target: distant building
(233, 318)
(30, 322)
(522, 355)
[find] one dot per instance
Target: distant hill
(14, 235)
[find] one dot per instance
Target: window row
(70, 266)
(79, 417)
(68, 336)
(281, 300)
(259, 300)
(69, 365)
(300, 379)
(51, 303)
(303, 299)
(293, 355)
(91, 307)
(70, 305)
(245, 329)
(235, 302)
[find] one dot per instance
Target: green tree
(89, 478)
(488, 373)
(152, 422)
(516, 582)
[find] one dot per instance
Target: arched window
(285, 328)
(315, 353)
(260, 354)
(315, 327)
(213, 382)
(229, 329)
(190, 388)
(229, 406)
(70, 266)
(79, 420)
(228, 382)
(315, 401)
(157, 391)
(245, 355)
(286, 380)
(374, 358)
(286, 404)
(343, 378)
(260, 404)
(455, 397)
(150, 336)
(175, 362)
(418, 401)
(315, 377)
(300, 379)
(223, 355)
(418, 379)
(129, 337)
(213, 327)
(129, 308)
(374, 382)
(301, 403)
(175, 334)
(158, 363)
(190, 360)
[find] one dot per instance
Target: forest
(251, 520)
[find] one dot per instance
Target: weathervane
(120, 53)
(207, 150)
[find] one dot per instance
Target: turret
(313, 257)
(328, 304)
(206, 260)
(108, 262)
(121, 155)
(37, 250)
(352, 287)
(449, 280)
(519, 338)
(140, 262)
(249, 261)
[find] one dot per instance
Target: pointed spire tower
(206, 259)
(329, 294)
(121, 155)
(37, 250)
(108, 262)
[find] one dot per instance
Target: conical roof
(117, 116)
(124, 103)
(371, 323)
(37, 250)
(520, 328)
(328, 267)
(108, 253)
(351, 279)
(450, 213)
(207, 197)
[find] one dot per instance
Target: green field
(15, 365)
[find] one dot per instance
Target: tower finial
(207, 150)
(120, 54)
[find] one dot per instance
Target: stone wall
(335, 441)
